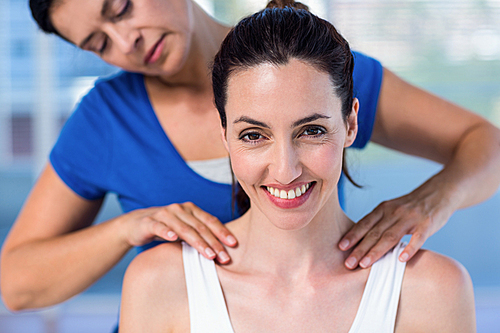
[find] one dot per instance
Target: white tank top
(376, 313)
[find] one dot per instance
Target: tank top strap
(379, 303)
(207, 306)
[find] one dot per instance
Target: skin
(284, 266)
(53, 235)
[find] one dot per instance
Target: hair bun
(286, 3)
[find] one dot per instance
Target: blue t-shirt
(113, 142)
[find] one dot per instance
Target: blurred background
(451, 48)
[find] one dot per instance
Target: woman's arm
(416, 122)
(53, 252)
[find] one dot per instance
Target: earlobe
(352, 124)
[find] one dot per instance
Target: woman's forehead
(289, 89)
(74, 19)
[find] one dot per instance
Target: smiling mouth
(290, 194)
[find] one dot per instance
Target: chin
(291, 221)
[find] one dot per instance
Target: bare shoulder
(436, 296)
(154, 294)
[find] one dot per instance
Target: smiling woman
(138, 133)
(285, 276)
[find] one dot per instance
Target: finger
(416, 242)
(360, 229)
(215, 226)
(193, 232)
(371, 238)
(387, 241)
(213, 242)
(164, 232)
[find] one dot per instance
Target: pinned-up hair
(284, 30)
(276, 35)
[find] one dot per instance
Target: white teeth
(291, 194)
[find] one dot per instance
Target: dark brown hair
(282, 31)
(41, 10)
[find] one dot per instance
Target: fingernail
(365, 262)
(171, 234)
(210, 252)
(403, 257)
(223, 256)
(351, 262)
(344, 244)
(231, 240)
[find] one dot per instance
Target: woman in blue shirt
(133, 134)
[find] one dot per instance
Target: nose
(126, 38)
(286, 166)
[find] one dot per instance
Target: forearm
(45, 272)
(472, 174)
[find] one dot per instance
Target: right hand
(186, 221)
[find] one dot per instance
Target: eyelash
(245, 137)
(125, 9)
(122, 13)
(320, 132)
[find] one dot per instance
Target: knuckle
(391, 237)
(184, 230)
(401, 210)
(198, 244)
(175, 207)
(210, 219)
(418, 236)
(146, 220)
(201, 228)
(188, 204)
(373, 234)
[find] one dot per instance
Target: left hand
(420, 213)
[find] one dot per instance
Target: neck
(207, 36)
(311, 250)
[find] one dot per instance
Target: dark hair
(40, 10)
(284, 30)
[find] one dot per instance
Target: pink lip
(290, 203)
(155, 52)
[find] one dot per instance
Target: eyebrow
(309, 119)
(250, 121)
(104, 10)
(295, 124)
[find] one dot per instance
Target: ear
(224, 138)
(352, 124)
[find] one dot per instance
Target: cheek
(245, 166)
(325, 162)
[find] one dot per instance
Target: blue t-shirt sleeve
(80, 155)
(367, 78)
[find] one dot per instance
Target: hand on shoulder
(437, 296)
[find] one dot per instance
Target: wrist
(120, 226)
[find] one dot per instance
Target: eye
(313, 131)
(124, 9)
(102, 49)
(98, 43)
(252, 137)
